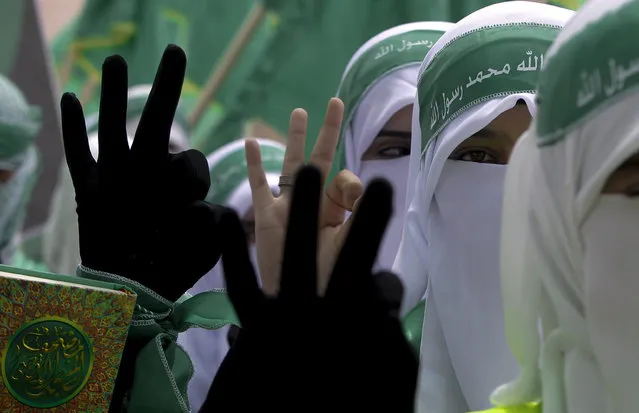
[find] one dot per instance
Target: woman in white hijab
(229, 187)
(378, 88)
(475, 98)
(571, 224)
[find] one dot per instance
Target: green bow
(163, 369)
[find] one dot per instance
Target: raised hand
(140, 210)
(271, 212)
(344, 351)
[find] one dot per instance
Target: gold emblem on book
(48, 362)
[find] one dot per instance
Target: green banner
(295, 57)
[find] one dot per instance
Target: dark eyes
(473, 155)
(393, 152)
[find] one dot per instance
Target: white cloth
(569, 255)
(390, 94)
(450, 243)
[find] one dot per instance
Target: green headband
(386, 56)
(595, 68)
(231, 171)
(481, 65)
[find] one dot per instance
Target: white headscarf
(379, 81)
(476, 71)
(569, 253)
(229, 187)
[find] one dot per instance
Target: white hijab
(451, 232)
(569, 252)
(377, 85)
(229, 187)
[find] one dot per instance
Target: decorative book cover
(61, 341)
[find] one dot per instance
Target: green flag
(11, 24)
(294, 58)
(140, 30)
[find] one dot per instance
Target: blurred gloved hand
(344, 351)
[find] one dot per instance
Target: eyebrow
(395, 133)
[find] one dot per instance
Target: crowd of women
(507, 144)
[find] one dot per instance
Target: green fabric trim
(478, 66)
(576, 84)
(229, 173)
(413, 324)
(22, 261)
(386, 56)
(163, 369)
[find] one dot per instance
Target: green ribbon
(412, 325)
(163, 369)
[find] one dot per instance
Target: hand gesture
(299, 351)
(140, 210)
(272, 212)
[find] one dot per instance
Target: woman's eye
(394, 152)
(476, 156)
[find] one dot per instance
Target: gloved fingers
(352, 270)
(239, 274)
(194, 234)
(299, 264)
(390, 292)
(260, 189)
(81, 164)
(112, 136)
(188, 177)
(151, 143)
(295, 155)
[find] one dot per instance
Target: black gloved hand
(301, 352)
(141, 213)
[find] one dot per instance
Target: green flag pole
(226, 63)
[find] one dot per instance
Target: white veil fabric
(478, 70)
(568, 259)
